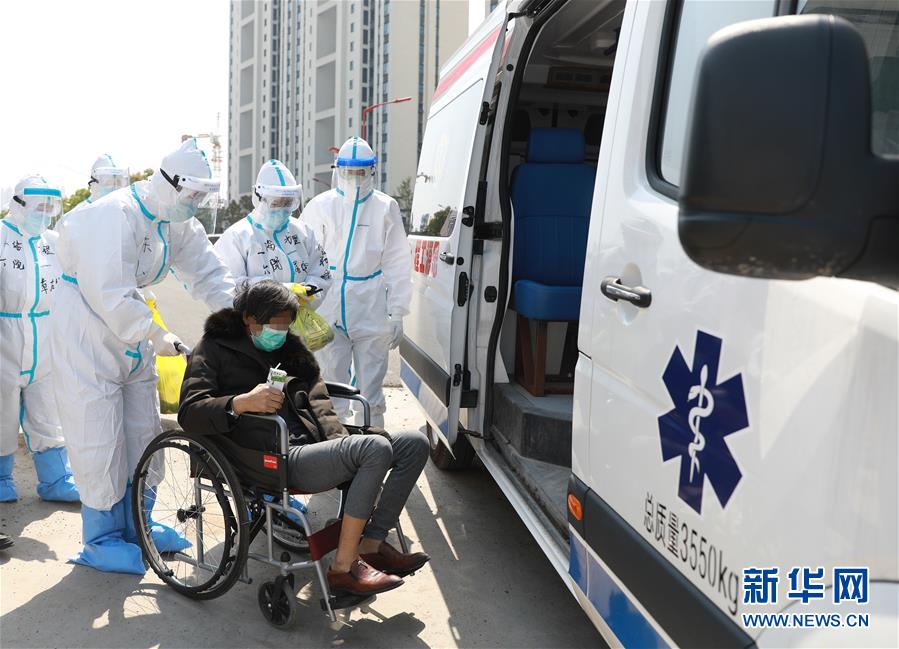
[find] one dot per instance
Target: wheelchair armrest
(278, 420)
(344, 391)
(341, 390)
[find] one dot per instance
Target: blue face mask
(272, 219)
(269, 339)
(181, 212)
(102, 190)
(36, 222)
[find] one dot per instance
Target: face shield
(105, 180)
(350, 179)
(276, 204)
(42, 207)
(189, 197)
(355, 168)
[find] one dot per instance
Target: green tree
(404, 200)
(234, 212)
(141, 175)
(441, 224)
(70, 202)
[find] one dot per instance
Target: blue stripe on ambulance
(435, 409)
(615, 607)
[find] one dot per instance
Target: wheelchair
(219, 497)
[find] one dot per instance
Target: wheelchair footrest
(324, 541)
(347, 600)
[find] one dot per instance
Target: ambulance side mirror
(779, 177)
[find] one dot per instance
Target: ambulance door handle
(613, 289)
(447, 258)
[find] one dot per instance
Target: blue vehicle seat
(552, 194)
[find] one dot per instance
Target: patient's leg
(361, 459)
(410, 454)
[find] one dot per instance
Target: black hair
(265, 300)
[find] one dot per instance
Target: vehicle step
(537, 427)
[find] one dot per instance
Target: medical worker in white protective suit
(106, 177)
(268, 244)
(104, 340)
(29, 280)
(362, 232)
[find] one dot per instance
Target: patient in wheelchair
(226, 377)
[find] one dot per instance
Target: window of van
(443, 165)
(878, 23)
(696, 22)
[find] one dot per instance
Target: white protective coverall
(103, 358)
(362, 233)
(29, 278)
(282, 249)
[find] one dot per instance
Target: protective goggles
(280, 197)
(111, 177)
(355, 172)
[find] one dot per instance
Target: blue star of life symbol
(704, 413)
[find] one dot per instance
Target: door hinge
(463, 290)
(468, 219)
(485, 113)
(457, 375)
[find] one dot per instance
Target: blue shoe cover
(105, 548)
(54, 475)
(8, 492)
(165, 538)
(296, 503)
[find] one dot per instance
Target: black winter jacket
(225, 363)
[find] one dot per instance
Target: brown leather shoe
(362, 579)
(393, 562)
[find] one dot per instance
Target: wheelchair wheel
(187, 484)
(277, 602)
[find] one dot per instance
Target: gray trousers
(363, 460)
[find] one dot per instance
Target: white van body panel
(809, 358)
(803, 377)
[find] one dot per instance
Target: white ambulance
(656, 251)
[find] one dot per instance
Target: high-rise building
(252, 99)
(303, 71)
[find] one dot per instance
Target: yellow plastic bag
(170, 369)
(312, 329)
